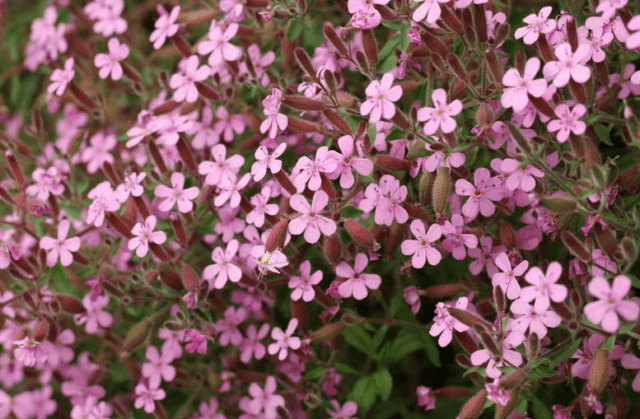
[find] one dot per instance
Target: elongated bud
(609, 98)
(159, 251)
(416, 212)
(207, 91)
(284, 181)
(172, 280)
(391, 163)
(348, 101)
(474, 406)
(519, 138)
(393, 238)
(401, 120)
(329, 80)
(111, 173)
(442, 291)
(70, 304)
(337, 121)
(14, 168)
(435, 44)
(572, 33)
(507, 236)
(484, 115)
(498, 299)
(559, 204)
(386, 13)
(332, 248)
(532, 346)
(370, 47)
(190, 279)
(165, 108)
(451, 20)
(178, 228)
(137, 335)
(629, 248)
(502, 412)
(441, 190)
(456, 66)
(327, 332)
(197, 17)
(480, 23)
(119, 224)
(494, 65)
(426, 185)
(489, 343)
(361, 234)
(82, 97)
(545, 49)
(328, 187)
(575, 246)
(182, 45)
(276, 236)
(606, 240)
(599, 371)
(301, 126)
(542, 105)
(468, 318)
(362, 60)
(186, 155)
(463, 360)
(335, 40)
(299, 311)
(5, 195)
(157, 157)
(305, 62)
(513, 379)
(452, 392)
(303, 103)
(41, 330)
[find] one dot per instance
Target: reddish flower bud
(303, 103)
(327, 332)
(70, 304)
(605, 239)
(207, 91)
(41, 331)
(513, 379)
(401, 120)
(335, 40)
(442, 291)
(299, 311)
(14, 168)
(332, 248)
(452, 392)
(599, 371)
(441, 190)
(301, 126)
(305, 62)
(386, 13)
(276, 236)
(137, 335)
(361, 234)
(468, 318)
(416, 212)
(575, 246)
(474, 406)
(197, 17)
(337, 121)
(426, 186)
(391, 163)
(190, 279)
(370, 47)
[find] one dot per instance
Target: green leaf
(603, 134)
(379, 336)
(295, 29)
(346, 369)
(349, 211)
(314, 374)
(357, 337)
(387, 64)
(388, 48)
(372, 134)
(384, 383)
(396, 26)
(634, 280)
(60, 280)
(565, 353)
(594, 117)
(364, 392)
(404, 38)
(540, 409)
(409, 341)
(87, 272)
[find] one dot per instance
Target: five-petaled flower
(611, 304)
(357, 284)
(423, 248)
(284, 340)
(109, 64)
(62, 247)
(61, 77)
(176, 194)
(380, 97)
(144, 235)
(440, 116)
(303, 284)
(519, 87)
(310, 222)
(569, 121)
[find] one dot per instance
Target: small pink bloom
(347, 411)
(536, 24)
(380, 97)
(569, 121)
(29, 352)
(423, 249)
(412, 298)
(157, 367)
(429, 9)
(218, 45)
(60, 78)
(506, 279)
(486, 190)
(532, 319)
(275, 120)
(110, 63)
(426, 397)
(304, 283)
(284, 340)
(611, 303)
(166, 26)
(184, 81)
(456, 241)
(195, 342)
(570, 65)
(94, 318)
(543, 286)
(147, 396)
(62, 247)
(444, 323)
(223, 268)
(220, 166)
(440, 116)
(265, 400)
(357, 284)
(251, 347)
(144, 235)
(519, 87)
(348, 161)
(265, 160)
(176, 194)
(310, 221)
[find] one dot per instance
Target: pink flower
(611, 303)
(411, 296)
(144, 235)
(184, 81)
(227, 124)
(386, 198)
(250, 347)
(440, 116)
(223, 268)
(29, 352)
(632, 362)
(518, 87)
(60, 78)
(444, 323)
(176, 194)
(426, 397)
(535, 320)
(220, 166)
(265, 160)
(147, 395)
(130, 186)
(429, 9)
(519, 178)
(570, 65)
(585, 357)
(195, 342)
(310, 221)
(304, 283)
(104, 199)
(543, 286)
(497, 394)
(456, 241)
(380, 98)
(261, 207)
(284, 340)
(98, 153)
(218, 44)
(347, 411)
(166, 26)
(506, 279)
(230, 187)
(357, 284)
(62, 247)
(209, 410)
(275, 120)
(157, 367)
(265, 400)
(422, 249)
(110, 63)
(568, 122)
(94, 318)
(486, 189)
(308, 171)
(536, 24)
(347, 161)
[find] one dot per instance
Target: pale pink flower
(517, 177)
(486, 189)
(633, 41)
(265, 160)
(261, 206)
(230, 187)
(223, 268)
(130, 186)
(176, 194)
(265, 400)
(366, 17)
(423, 249)
(62, 247)
(380, 97)
(310, 221)
(275, 120)
(357, 284)
(386, 198)
(543, 286)
(99, 151)
(570, 65)
(632, 362)
(586, 354)
(519, 87)
(611, 303)
(348, 161)
(166, 26)
(61, 77)
(506, 279)
(497, 394)
(308, 171)
(569, 121)
(147, 396)
(95, 317)
(532, 319)
(104, 200)
(412, 298)
(227, 124)
(184, 81)
(347, 411)
(536, 24)
(284, 340)
(304, 283)
(220, 166)
(456, 241)
(251, 347)
(429, 9)
(440, 116)
(444, 323)
(426, 397)
(157, 367)
(144, 235)
(29, 352)
(218, 45)
(110, 63)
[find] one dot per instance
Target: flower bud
(533, 344)
(416, 212)
(301, 126)
(474, 406)
(305, 62)
(370, 47)
(488, 342)
(452, 392)
(606, 240)
(190, 279)
(332, 248)
(391, 163)
(559, 204)
(441, 190)
(575, 246)
(198, 17)
(337, 121)
(348, 101)
(70, 304)
(456, 66)
(468, 318)
(137, 335)
(451, 20)
(599, 371)
(361, 60)
(519, 138)
(502, 412)
(276, 236)
(542, 105)
(361, 234)
(41, 330)
(480, 23)
(426, 185)
(513, 379)
(463, 360)
(299, 311)
(629, 248)
(303, 103)
(442, 291)
(327, 332)
(207, 91)
(499, 300)
(335, 40)
(484, 115)
(435, 44)
(14, 168)
(186, 155)
(401, 120)
(284, 181)
(386, 13)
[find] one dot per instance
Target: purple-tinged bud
(532, 346)
(599, 371)
(335, 40)
(276, 237)
(198, 17)
(327, 332)
(387, 14)
(120, 224)
(606, 240)
(608, 99)
(70, 304)
(463, 360)
(441, 190)
(542, 105)
(208, 91)
(190, 279)
(305, 62)
(513, 379)
(501, 34)
(488, 342)
(562, 310)
(578, 91)
(137, 335)
(347, 100)
(401, 120)
(474, 406)
(186, 155)
(302, 126)
(468, 318)
(332, 248)
(392, 240)
(82, 97)
(130, 73)
(14, 168)
(456, 66)
(452, 392)
(499, 300)
(480, 23)
(416, 212)
(172, 280)
(426, 186)
(159, 251)
(629, 248)
(575, 246)
(442, 291)
(362, 61)
(41, 331)
(141, 206)
(157, 157)
(178, 228)
(519, 138)
(303, 103)
(435, 44)
(337, 121)
(391, 163)
(545, 49)
(284, 181)
(5, 195)
(299, 311)
(361, 235)
(451, 20)
(572, 33)
(370, 47)
(166, 107)
(182, 45)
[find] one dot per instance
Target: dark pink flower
(109, 64)
(440, 116)
(380, 97)
(357, 284)
(611, 303)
